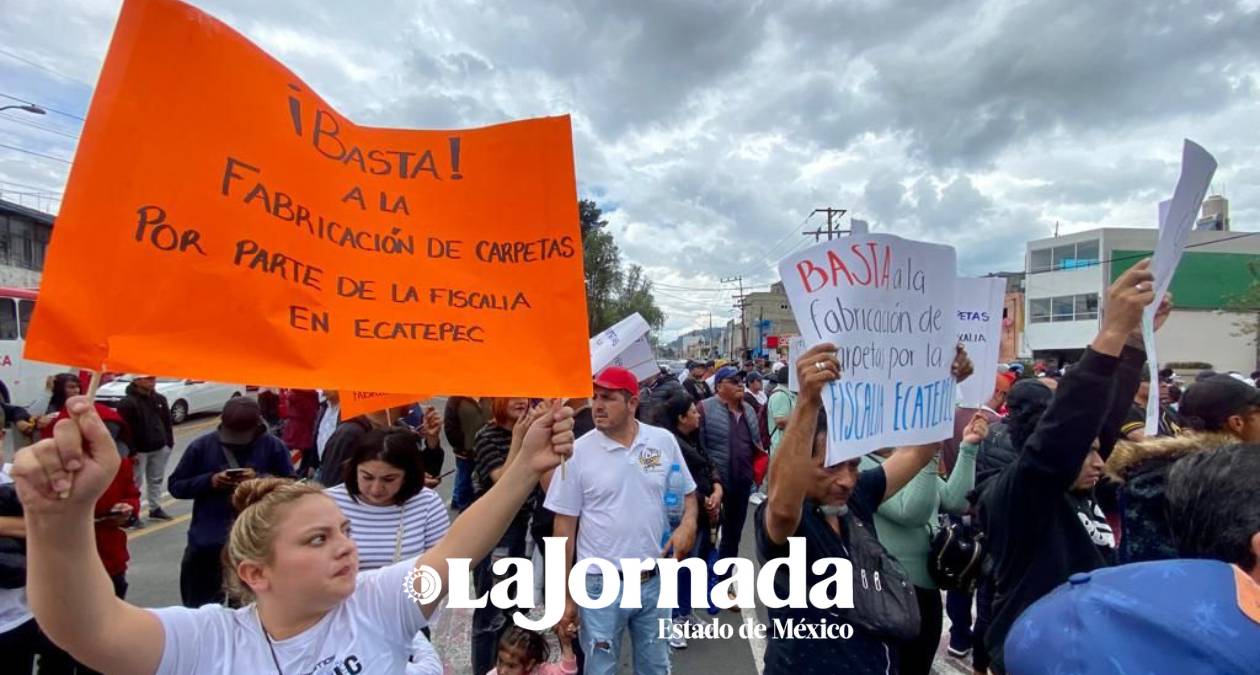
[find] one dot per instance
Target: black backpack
(956, 557)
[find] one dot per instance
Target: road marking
(136, 534)
(199, 426)
(755, 641)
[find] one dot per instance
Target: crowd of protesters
(1049, 506)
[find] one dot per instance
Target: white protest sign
(796, 347)
(638, 358)
(617, 339)
(1176, 221)
(888, 304)
(979, 310)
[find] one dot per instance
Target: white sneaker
(677, 638)
(756, 498)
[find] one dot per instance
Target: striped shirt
(423, 518)
(491, 447)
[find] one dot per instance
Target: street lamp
(29, 107)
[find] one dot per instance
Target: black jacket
(1036, 537)
(193, 478)
(12, 549)
(14, 414)
(702, 471)
(149, 418)
(699, 389)
(1141, 468)
(996, 453)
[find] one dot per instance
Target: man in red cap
(615, 485)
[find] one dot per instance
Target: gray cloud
(710, 129)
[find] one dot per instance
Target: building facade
(1067, 280)
(24, 236)
(766, 314)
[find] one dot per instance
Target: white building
(1068, 276)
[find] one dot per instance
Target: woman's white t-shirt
(369, 632)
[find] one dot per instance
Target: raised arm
(907, 462)
(68, 588)
(793, 466)
(916, 502)
(963, 478)
(475, 533)
(1066, 433)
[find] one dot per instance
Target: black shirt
(491, 449)
(860, 654)
(1039, 532)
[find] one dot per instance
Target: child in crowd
(524, 652)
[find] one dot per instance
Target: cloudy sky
(708, 131)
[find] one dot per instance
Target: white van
(23, 381)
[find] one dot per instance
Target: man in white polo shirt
(615, 487)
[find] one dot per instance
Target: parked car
(186, 397)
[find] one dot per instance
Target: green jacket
(905, 522)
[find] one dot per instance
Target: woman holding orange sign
(289, 549)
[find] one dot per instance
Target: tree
(611, 293)
(635, 295)
(1248, 302)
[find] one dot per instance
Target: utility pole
(740, 304)
(832, 231)
(708, 338)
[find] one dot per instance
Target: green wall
(1203, 280)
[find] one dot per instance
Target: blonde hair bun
(254, 490)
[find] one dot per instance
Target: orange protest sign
(355, 403)
(223, 222)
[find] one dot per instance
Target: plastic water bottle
(673, 501)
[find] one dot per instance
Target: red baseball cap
(615, 378)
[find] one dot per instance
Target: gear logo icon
(422, 585)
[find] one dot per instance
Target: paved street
(157, 549)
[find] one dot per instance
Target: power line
(696, 289)
(43, 68)
(37, 154)
(41, 127)
(27, 186)
(679, 298)
(770, 249)
(48, 108)
(684, 287)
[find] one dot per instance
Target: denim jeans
(602, 628)
(462, 493)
